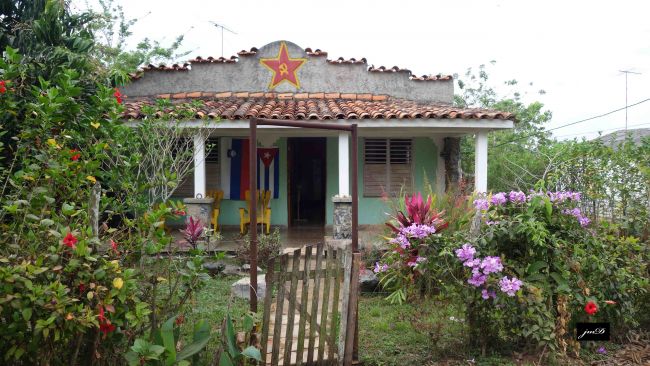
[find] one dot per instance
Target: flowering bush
(551, 254)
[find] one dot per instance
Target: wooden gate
(310, 307)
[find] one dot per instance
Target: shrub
(268, 247)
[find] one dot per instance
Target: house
(408, 129)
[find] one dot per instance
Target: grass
(211, 304)
(427, 331)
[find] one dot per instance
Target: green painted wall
(371, 209)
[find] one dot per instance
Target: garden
(89, 274)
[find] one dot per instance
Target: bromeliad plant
(405, 260)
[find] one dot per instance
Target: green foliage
(511, 164)
(268, 247)
(234, 352)
(113, 29)
(162, 349)
(560, 262)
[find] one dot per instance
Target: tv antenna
(627, 72)
(222, 29)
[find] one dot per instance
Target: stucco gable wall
(316, 75)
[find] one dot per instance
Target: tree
(113, 30)
(516, 157)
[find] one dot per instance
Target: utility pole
(627, 72)
(222, 29)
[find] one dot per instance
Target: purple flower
(491, 265)
(466, 252)
(485, 294)
(402, 240)
(477, 280)
(575, 196)
(472, 262)
(418, 231)
(517, 196)
(411, 264)
(379, 268)
(510, 286)
(498, 199)
(420, 259)
(490, 222)
(481, 204)
(602, 350)
(584, 221)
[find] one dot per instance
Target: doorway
(307, 172)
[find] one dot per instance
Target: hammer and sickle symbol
(283, 69)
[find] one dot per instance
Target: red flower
(3, 86)
(118, 96)
(180, 320)
(179, 212)
(70, 240)
(591, 308)
(105, 325)
(75, 155)
(114, 247)
(82, 287)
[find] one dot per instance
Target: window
(186, 187)
(387, 166)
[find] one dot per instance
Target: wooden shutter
(399, 169)
(387, 166)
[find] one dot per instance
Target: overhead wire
(576, 122)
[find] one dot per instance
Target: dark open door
(307, 178)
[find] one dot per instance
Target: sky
(572, 49)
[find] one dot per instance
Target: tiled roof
(302, 106)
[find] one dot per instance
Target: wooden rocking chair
(217, 194)
(263, 211)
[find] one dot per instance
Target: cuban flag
(235, 177)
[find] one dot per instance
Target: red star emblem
(284, 68)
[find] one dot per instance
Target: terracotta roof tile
(372, 68)
(247, 53)
(342, 61)
(163, 67)
(315, 53)
(290, 106)
(212, 60)
(432, 77)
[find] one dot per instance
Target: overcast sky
(571, 49)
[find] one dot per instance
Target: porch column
(344, 164)
(199, 165)
(481, 161)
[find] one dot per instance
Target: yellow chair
(263, 211)
(217, 194)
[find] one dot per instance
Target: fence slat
(314, 305)
(267, 309)
(303, 306)
(335, 307)
(288, 343)
(352, 313)
(322, 333)
(277, 327)
(345, 293)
